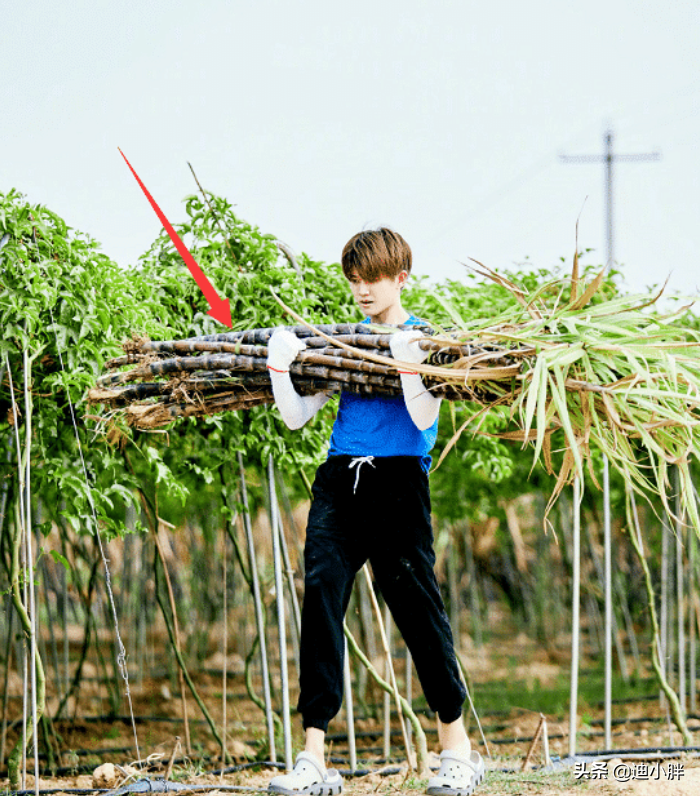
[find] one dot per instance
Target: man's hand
(405, 346)
(282, 350)
(423, 407)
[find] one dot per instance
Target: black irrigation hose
(385, 771)
(647, 750)
(54, 790)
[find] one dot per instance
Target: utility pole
(608, 158)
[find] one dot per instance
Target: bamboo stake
(367, 633)
(29, 572)
(575, 616)
(24, 604)
(607, 555)
(656, 657)
(613, 621)
(259, 621)
(387, 676)
(664, 632)
(545, 745)
(692, 651)
(421, 744)
(474, 612)
(680, 613)
(409, 688)
(45, 578)
(387, 653)
(349, 713)
(18, 551)
(224, 685)
(8, 654)
(629, 625)
(453, 571)
(289, 575)
(181, 664)
(176, 633)
(281, 626)
(25, 698)
(5, 486)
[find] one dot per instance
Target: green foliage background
(71, 306)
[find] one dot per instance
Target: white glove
(423, 407)
(295, 409)
(405, 346)
(282, 349)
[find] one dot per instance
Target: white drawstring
(359, 461)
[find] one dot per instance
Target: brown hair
(376, 253)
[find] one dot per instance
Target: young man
(371, 501)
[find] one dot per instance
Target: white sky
(444, 120)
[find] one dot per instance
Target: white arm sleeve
(423, 406)
(296, 410)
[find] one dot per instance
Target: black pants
(382, 514)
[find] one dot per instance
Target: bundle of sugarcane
(575, 374)
(224, 372)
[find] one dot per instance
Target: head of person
(375, 254)
(377, 263)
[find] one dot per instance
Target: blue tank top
(379, 426)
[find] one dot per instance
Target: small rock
(105, 776)
(109, 776)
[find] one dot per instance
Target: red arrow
(220, 308)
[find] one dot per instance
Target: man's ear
(403, 279)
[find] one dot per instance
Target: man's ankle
(314, 744)
(462, 749)
(453, 737)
